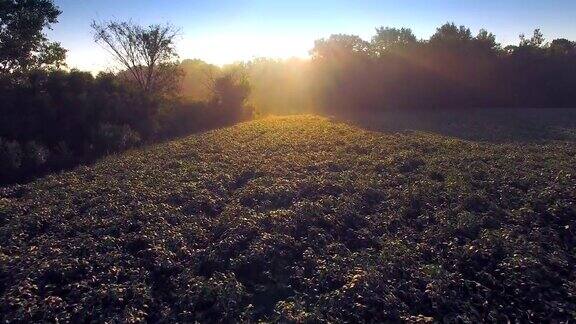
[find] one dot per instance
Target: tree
(197, 80)
(389, 39)
(147, 53)
(23, 45)
(450, 34)
(231, 92)
(486, 41)
(562, 46)
(340, 46)
(536, 41)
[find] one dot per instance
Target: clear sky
(224, 31)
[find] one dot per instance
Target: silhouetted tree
(453, 69)
(231, 92)
(23, 44)
(536, 41)
(391, 39)
(147, 53)
(449, 35)
(485, 41)
(339, 46)
(562, 47)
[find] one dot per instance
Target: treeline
(52, 119)
(453, 69)
(394, 70)
(278, 87)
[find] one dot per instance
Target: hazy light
(224, 49)
(219, 50)
(222, 32)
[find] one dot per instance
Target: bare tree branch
(146, 53)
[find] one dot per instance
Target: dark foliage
(297, 220)
(52, 119)
(55, 120)
(23, 44)
(453, 69)
(394, 71)
(147, 54)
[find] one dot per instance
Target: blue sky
(224, 31)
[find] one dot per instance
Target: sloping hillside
(297, 219)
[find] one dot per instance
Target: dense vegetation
(279, 87)
(52, 119)
(453, 69)
(297, 219)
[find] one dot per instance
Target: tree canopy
(388, 39)
(23, 43)
(147, 53)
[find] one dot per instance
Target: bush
(62, 156)
(183, 118)
(11, 157)
(230, 99)
(56, 119)
(35, 156)
(110, 138)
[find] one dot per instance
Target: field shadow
(528, 125)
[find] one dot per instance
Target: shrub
(183, 118)
(55, 119)
(110, 138)
(11, 157)
(35, 156)
(62, 156)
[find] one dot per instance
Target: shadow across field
(528, 125)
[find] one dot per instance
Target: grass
(297, 219)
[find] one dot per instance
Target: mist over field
(396, 177)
